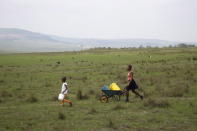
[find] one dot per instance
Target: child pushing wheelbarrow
(115, 92)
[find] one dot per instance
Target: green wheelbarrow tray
(111, 93)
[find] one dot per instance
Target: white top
(64, 88)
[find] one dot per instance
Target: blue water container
(105, 87)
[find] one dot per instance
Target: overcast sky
(153, 19)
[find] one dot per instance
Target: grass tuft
(110, 124)
(98, 96)
(61, 116)
(194, 58)
(80, 96)
(54, 98)
(32, 99)
(176, 91)
(156, 103)
(2, 81)
(92, 111)
(91, 92)
(118, 107)
(5, 94)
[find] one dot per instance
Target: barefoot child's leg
(62, 102)
(68, 101)
(136, 93)
(127, 93)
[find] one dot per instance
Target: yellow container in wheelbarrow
(114, 87)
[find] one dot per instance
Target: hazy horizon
(172, 20)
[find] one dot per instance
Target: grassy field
(30, 84)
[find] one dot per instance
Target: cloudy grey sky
(154, 19)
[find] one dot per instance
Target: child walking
(131, 84)
(64, 92)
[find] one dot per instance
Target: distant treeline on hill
(181, 45)
(185, 45)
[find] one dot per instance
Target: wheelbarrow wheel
(104, 99)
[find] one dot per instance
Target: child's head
(129, 68)
(63, 79)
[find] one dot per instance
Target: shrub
(156, 103)
(61, 116)
(32, 99)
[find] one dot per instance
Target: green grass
(30, 84)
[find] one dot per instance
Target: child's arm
(131, 75)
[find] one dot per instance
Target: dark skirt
(132, 85)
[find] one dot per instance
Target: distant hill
(18, 40)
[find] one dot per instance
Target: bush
(156, 103)
(32, 99)
(61, 116)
